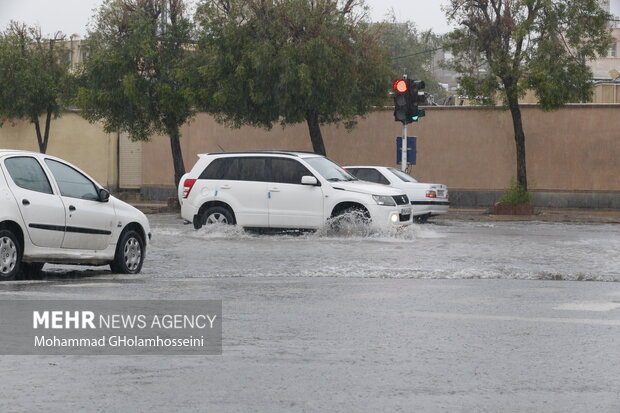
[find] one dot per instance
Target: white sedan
(52, 212)
(427, 200)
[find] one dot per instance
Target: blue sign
(411, 150)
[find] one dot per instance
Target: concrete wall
(570, 152)
(73, 139)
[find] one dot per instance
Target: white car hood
(364, 187)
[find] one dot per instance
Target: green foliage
(411, 51)
(516, 195)
(503, 48)
(542, 45)
(136, 78)
(287, 61)
(34, 75)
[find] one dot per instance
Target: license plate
(405, 211)
(441, 193)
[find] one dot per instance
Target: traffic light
(416, 98)
(407, 97)
(401, 100)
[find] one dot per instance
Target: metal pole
(403, 163)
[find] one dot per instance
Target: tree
(35, 78)
(412, 51)
(510, 46)
(136, 76)
(289, 61)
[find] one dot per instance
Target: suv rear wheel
(10, 255)
(218, 215)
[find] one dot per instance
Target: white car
(285, 190)
(51, 212)
(427, 200)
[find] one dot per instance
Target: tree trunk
(42, 139)
(312, 118)
(37, 128)
(177, 155)
(46, 136)
(515, 111)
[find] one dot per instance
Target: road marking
(562, 320)
(601, 307)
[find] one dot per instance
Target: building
(606, 69)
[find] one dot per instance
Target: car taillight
(187, 187)
(431, 194)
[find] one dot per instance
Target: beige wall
(576, 148)
(73, 139)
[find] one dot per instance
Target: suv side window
(287, 171)
(72, 183)
(218, 169)
(27, 173)
(236, 169)
(371, 175)
(252, 169)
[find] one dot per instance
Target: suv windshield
(403, 176)
(329, 170)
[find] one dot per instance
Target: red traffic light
(401, 86)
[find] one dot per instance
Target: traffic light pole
(403, 158)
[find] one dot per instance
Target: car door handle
(225, 187)
(275, 189)
(25, 202)
(71, 208)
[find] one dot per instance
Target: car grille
(401, 199)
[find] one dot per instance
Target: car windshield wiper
(334, 179)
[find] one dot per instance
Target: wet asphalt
(448, 317)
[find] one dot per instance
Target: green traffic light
(420, 114)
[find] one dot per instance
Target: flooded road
(448, 317)
(444, 249)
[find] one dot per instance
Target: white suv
(50, 211)
(274, 189)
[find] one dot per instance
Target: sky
(72, 16)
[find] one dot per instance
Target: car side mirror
(309, 180)
(104, 195)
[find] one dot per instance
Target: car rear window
(371, 175)
(27, 173)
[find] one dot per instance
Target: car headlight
(384, 200)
